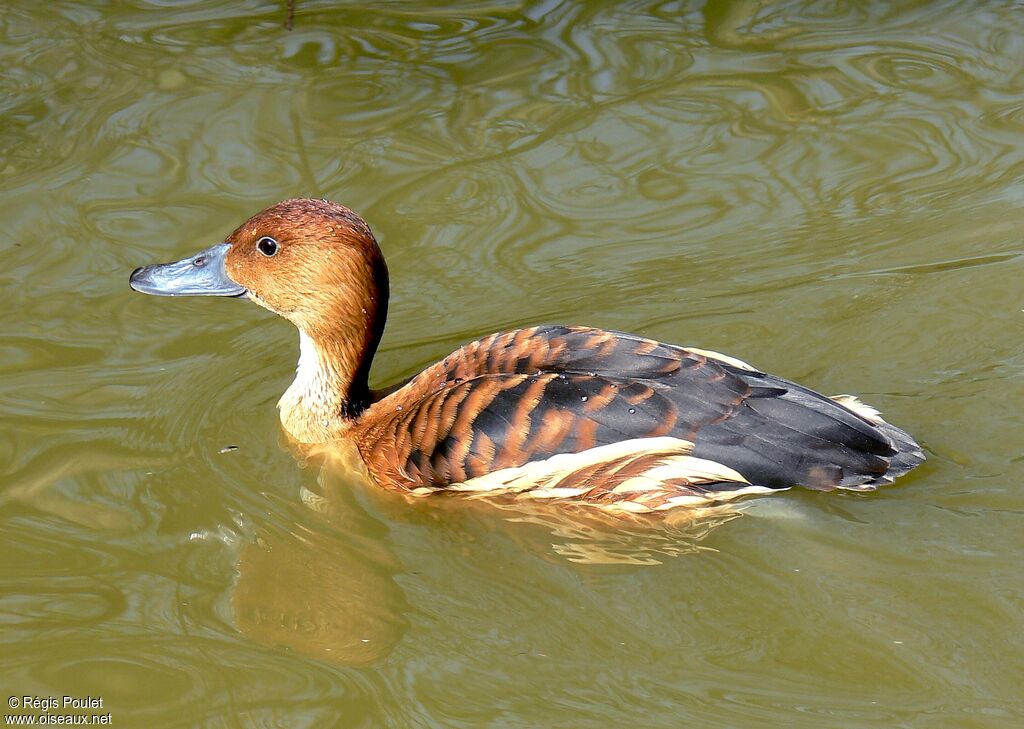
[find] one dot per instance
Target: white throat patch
(308, 373)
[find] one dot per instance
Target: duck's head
(315, 263)
(302, 259)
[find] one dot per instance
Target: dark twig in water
(304, 167)
(291, 15)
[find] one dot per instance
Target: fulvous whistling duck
(555, 412)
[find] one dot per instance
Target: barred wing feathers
(519, 398)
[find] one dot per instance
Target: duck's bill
(200, 275)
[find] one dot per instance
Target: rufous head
(314, 262)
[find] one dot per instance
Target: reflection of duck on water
(324, 589)
(556, 413)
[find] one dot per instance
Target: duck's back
(510, 410)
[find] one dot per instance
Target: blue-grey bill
(200, 275)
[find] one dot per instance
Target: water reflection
(564, 532)
(325, 588)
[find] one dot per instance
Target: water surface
(833, 192)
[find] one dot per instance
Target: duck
(568, 414)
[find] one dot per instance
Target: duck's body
(595, 416)
(597, 413)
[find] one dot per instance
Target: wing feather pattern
(497, 407)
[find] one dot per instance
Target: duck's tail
(908, 454)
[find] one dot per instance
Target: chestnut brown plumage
(530, 394)
(600, 416)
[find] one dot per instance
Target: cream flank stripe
(542, 479)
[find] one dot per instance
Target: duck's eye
(266, 245)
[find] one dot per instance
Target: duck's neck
(331, 387)
(330, 390)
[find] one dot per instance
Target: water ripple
(831, 191)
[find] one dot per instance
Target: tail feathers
(908, 456)
(801, 438)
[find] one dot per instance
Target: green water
(831, 191)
